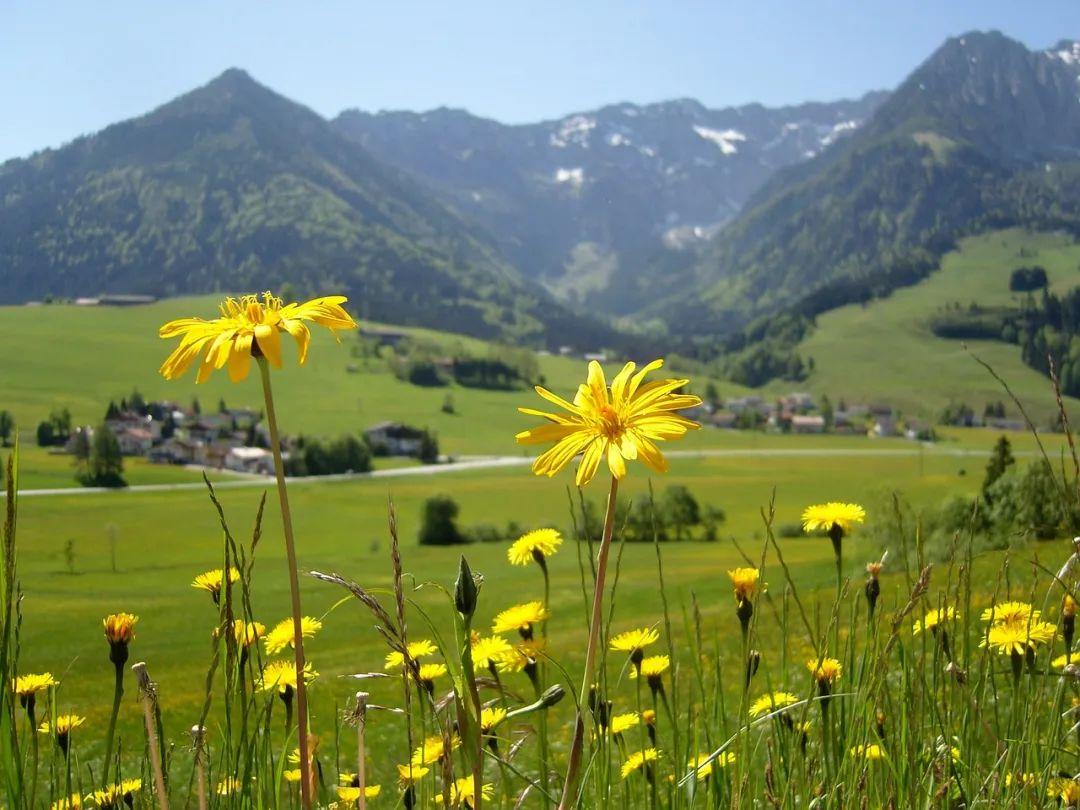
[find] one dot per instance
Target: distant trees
(105, 464)
(56, 430)
(1000, 460)
(346, 454)
(438, 524)
(1026, 279)
(7, 425)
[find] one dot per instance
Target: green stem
(110, 736)
(294, 587)
(574, 764)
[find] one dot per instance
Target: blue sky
(71, 67)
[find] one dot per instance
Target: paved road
(465, 464)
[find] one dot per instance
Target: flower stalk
(148, 696)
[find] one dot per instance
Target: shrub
(438, 526)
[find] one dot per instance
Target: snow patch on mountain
(573, 177)
(837, 131)
(1067, 52)
(574, 130)
(725, 139)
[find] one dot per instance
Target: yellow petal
(589, 462)
(615, 461)
(240, 358)
(302, 335)
(269, 340)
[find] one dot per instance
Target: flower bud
(465, 590)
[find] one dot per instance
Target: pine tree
(1000, 461)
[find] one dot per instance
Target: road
(470, 463)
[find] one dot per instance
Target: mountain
(984, 134)
(232, 187)
(591, 203)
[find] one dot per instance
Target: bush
(438, 526)
(1027, 279)
(105, 467)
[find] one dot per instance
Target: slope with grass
(884, 351)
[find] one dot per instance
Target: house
(179, 451)
(134, 441)
(883, 425)
(1000, 423)
(798, 402)
(723, 419)
(249, 460)
(384, 337)
(394, 439)
(807, 423)
(599, 357)
(752, 402)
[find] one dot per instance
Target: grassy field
(886, 352)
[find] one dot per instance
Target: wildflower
(488, 651)
(72, 802)
(649, 717)
(832, 517)
(26, 687)
(826, 672)
(116, 793)
(1017, 639)
(535, 546)
(247, 328)
(120, 632)
(617, 424)
(213, 581)
(521, 657)
(638, 760)
(872, 751)
(416, 649)
(934, 618)
(432, 749)
(229, 786)
(281, 675)
(463, 792)
(351, 793)
(651, 669)
(634, 642)
(410, 774)
(744, 581)
(873, 585)
(282, 635)
(703, 764)
(1063, 661)
(623, 722)
(753, 661)
(1011, 613)
(521, 618)
(1066, 790)
(429, 672)
(491, 717)
(1068, 620)
(65, 723)
(292, 774)
(247, 633)
(1026, 779)
(769, 703)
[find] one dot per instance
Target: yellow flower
(520, 617)
(634, 641)
(621, 723)
(463, 792)
(491, 717)
(520, 656)
(247, 325)
(410, 774)
(212, 581)
(649, 717)
(26, 685)
(281, 675)
(115, 794)
(1065, 789)
(1011, 612)
(1063, 661)
(826, 516)
(120, 628)
(417, 650)
(639, 759)
(432, 750)
(64, 724)
(1068, 607)
(703, 767)
(769, 703)
(868, 752)
(535, 545)
(827, 672)
(247, 633)
(351, 793)
(1026, 779)
(934, 618)
(282, 635)
(228, 786)
(72, 802)
(292, 775)
(429, 672)
(489, 650)
(745, 582)
(617, 424)
(652, 667)
(1017, 638)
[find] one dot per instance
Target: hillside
(984, 134)
(589, 203)
(885, 350)
(233, 187)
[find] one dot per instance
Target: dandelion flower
(229, 786)
(536, 545)
(827, 672)
(520, 618)
(417, 650)
(935, 618)
(351, 793)
(116, 794)
(489, 650)
(621, 723)
(1065, 789)
(1011, 613)
(1063, 661)
(281, 675)
(1017, 639)
(832, 516)
(463, 792)
(120, 628)
(65, 723)
(248, 327)
(769, 703)
(213, 581)
(282, 635)
(653, 667)
(648, 717)
(703, 764)
(432, 749)
(638, 760)
(617, 424)
(872, 751)
(634, 642)
(491, 717)
(1025, 779)
(292, 775)
(411, 773)
(247, 633)
(744, 581)
(429, 672)
(72, 802)
(26, 685)
(521, 656)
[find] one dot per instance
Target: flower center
(610, 423)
